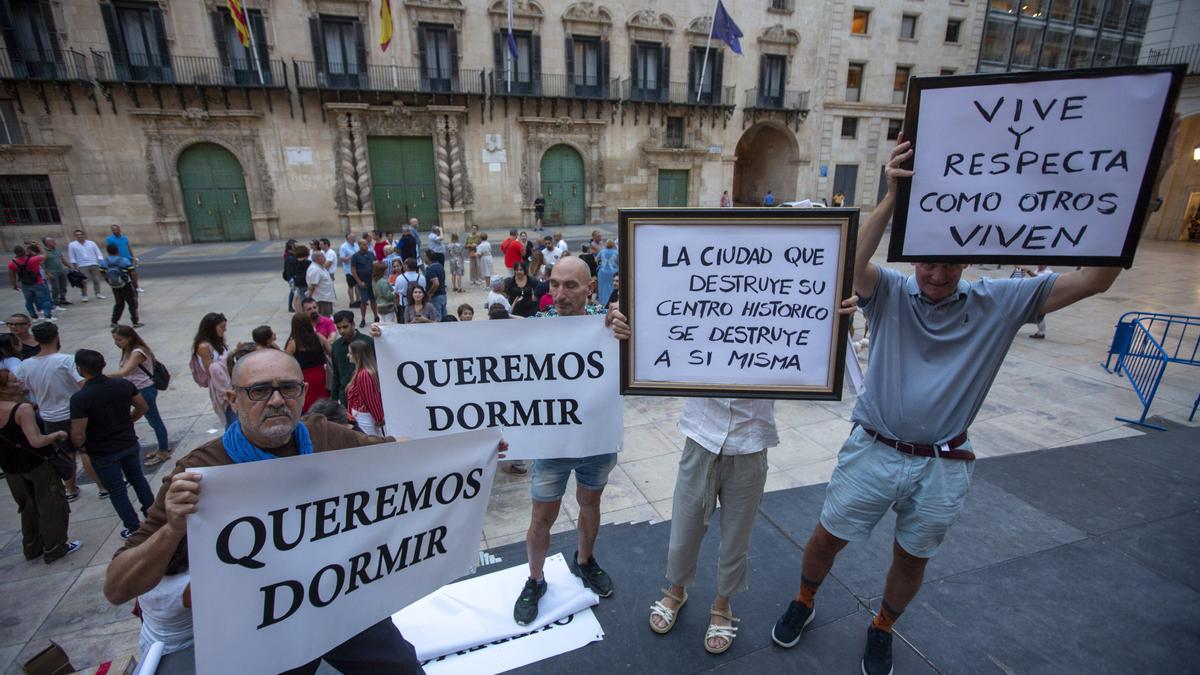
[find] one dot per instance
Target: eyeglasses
(290, 390)
(16, 323)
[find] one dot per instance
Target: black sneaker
(63, 551)
(791, 625)
(362, 324)
(526, 608)
(593, 577)
(877, 658)
(128, 532)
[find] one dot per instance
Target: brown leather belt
(918, 450)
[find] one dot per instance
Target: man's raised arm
(866, 274)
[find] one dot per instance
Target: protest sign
(291, 557)
(550, 384)
(739, 302)
(1048, 167)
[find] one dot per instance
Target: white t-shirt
(319, 277)
(561, 246)
(86, 254)
(552, 255)
(164, 618)
(402, 283)
(51, 380)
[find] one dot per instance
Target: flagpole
(508, 57)
(253, 46)
(704, 63)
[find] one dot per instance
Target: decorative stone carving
(527, 15)
(585, 136)
(362, 168)
(779, 40)
(701, 25)
(648, 25)
(198, 117)
(346, 159)
(153, 185)
(587, 18)
(457, 175)
(442, 161)
(434, 11)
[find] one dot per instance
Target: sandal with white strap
(726, 633)
(666, 613)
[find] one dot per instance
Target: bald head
(263, 365)
(572, 267)
(571, 284)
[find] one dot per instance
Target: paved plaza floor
(1049, 394)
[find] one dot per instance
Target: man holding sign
(268, 390)
(937, 343)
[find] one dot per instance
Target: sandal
(155, 460)
(726, 633)
(666, 613)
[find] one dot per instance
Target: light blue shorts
(550, 475)
(926, 493)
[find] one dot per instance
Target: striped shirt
(363, 395)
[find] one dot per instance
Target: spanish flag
(239, 21)
(385, 19)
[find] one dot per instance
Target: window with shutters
(28, 200)
(771, 80)
(849, 127)
(854, 82)
(704, 76)
(587, 66)
(908, 27)
(138, 37)
(674, 135)
(439, 57)
(521, 74)
(244, 65)
(900, 84)
(29, 37)
(953, 30)
(341, 51)
(650, 72)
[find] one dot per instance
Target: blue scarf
(241, 450)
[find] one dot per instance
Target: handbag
(161, 376)
(60, 462)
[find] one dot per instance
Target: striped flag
(239, 21)
(385, 18)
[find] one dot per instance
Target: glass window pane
(1106, 51)
(1063, 10)
(1029, 41)
(1138, 15)
(1130, 50)
(952, 29)
(1081, 51)
(1089, 12)
(1114, 14)
(997, 36)
(908, 26)
(1032, 8)
(861, 21)
(1054, 52)
(1006, 6)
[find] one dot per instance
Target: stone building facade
(153, 114)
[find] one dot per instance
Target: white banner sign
(1031, 169)
(291, 557)
(551, 385)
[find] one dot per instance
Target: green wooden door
(672, 187)
(562, 186)
(214, 194)
(403, 180)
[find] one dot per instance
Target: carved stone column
(361, 164)
(442, 159)
(346, 165)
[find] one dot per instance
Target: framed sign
(1051, 167)
(736, 302)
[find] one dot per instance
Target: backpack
(161, 376)
(199, 374)
(115, 275)
(27, 276)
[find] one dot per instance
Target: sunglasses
(290, 390)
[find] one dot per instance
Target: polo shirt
(932, 364)
(106, 403)
(346, 250)
(122, 244)
(363, 262)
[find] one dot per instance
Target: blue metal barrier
(1144, 343)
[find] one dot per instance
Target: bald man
(571, 284)
(267, 395)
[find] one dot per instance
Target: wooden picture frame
(917, 88)
(647, 238)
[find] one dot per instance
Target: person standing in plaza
(342, 367)
(606, 271)
(32, 482)
(418, 309)
(937, 342)
(300, 274)
(407, 243)
(409, 277)
(312, 353)
(102, 416)
(56, 271)
(137, 366)
(345, 252)
(455, 259)
(435, 277)
(363, 397)
(484, 256)
(385, 295)
(726, 202)
(125, 250)
(539, 212)
(571, 287)
(84, 256)
(118, 272)
(362, 265)
(322, 324)
(208, 364)
(26, 270)
(289, 271)
(267, 394)
(320, 285)
(436, 243)
(512, 249)
(769, 200)
(18, 325)
(473, 256)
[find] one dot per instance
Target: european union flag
(725, 30)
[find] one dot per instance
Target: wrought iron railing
(355, 77)
(790, 99)
(41, 64)
(680, 93)
(550, 85)
(189, 70)
(1189, 54)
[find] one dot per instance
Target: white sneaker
(52, 319)
(86, 298)
(102, 297)
(141, 290)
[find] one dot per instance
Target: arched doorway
(214, 194)
(767, 158)
(562, 186)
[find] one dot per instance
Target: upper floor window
(1063, 10)
(10, 126)
(900, 84)
(28, 28)
(525, 68)
(674, 135)
(340, 50)
(908, 27)
(651, 71)
(850, 127)
(244, 65)
(894, 128)
(953, 28)
(28, 200)
(854, 79)
(781, 5)
(138, 38)
(587, 66)
(771, 78)
(947, 71)
(438, 46)
(710, 88)
(861, 23)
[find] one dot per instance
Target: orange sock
(885, 618)
(808, 589)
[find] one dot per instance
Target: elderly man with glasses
(268, 392)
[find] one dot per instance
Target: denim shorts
(550, 475)
(927, 493)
